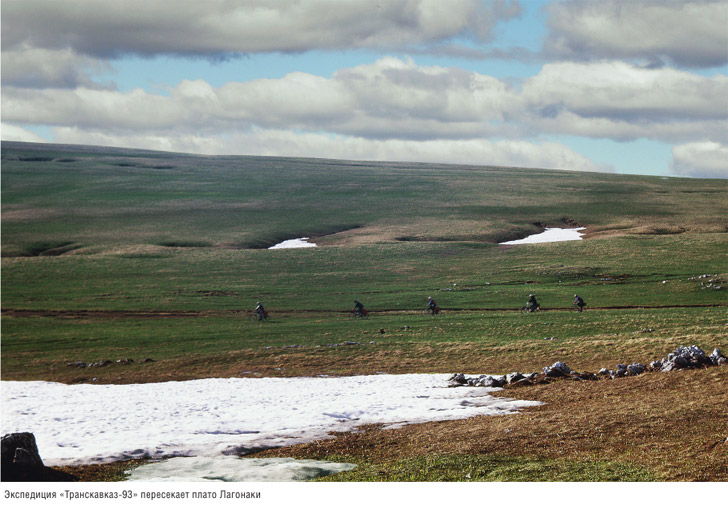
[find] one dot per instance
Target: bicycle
(255, 317)
(431, 310)
(356, 314)
(530, 308)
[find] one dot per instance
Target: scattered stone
(636, 369)
(686, 357)
(513, 377)
(78, 364)
(717, 357)
(457, 379)
(683, 357)
(146, 360)
(558, 369)
(125, 361)
(494, 381)
(101, 363)
(522, 382)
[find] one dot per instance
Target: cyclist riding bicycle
(579, 303)
(260, 311)
(358, 308)
(431, 306)
(532, 304)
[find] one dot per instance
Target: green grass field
(111, 254)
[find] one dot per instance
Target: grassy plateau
(113, 254)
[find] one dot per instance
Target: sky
(624, 86)
(216, 417)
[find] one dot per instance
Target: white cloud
(272, 142)
(397, 99)
(389, 98)
(214, 28)
(700, 159)
(688, 33)
(40, 68)
(15, 133)
(622, 101)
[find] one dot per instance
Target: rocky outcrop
(21, 460)
(682, 358)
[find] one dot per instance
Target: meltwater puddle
(551, 235)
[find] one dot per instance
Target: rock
(717, 357)
(27, 458)
(458, 379)
(604, 372)
(680, 362)
(21, 461)
(668, 366)
(101, 363)
(499, 381)
(23, 442)
(655, 365)
(78, 363)
(492, 381)
(688, 356)
(636, 369)
(558, 369)
(513, 377)
(522, 382)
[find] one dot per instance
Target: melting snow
(551, 235)
(301, 242)
(236, 469)
(76, 424)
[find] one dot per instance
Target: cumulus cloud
(389, 98)
(43, 68)
(690, 33)
(271, 142)
(397, 99)
(220, 28)
(700, 159)
(15, 133)
(622, 101)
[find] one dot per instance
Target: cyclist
(260, 311)
(431, 306)
(579, 303)
(532, 305)
(358, 308)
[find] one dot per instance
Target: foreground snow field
(78, 424)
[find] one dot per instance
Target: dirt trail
(110, 313)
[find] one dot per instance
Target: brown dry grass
(674, 424)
